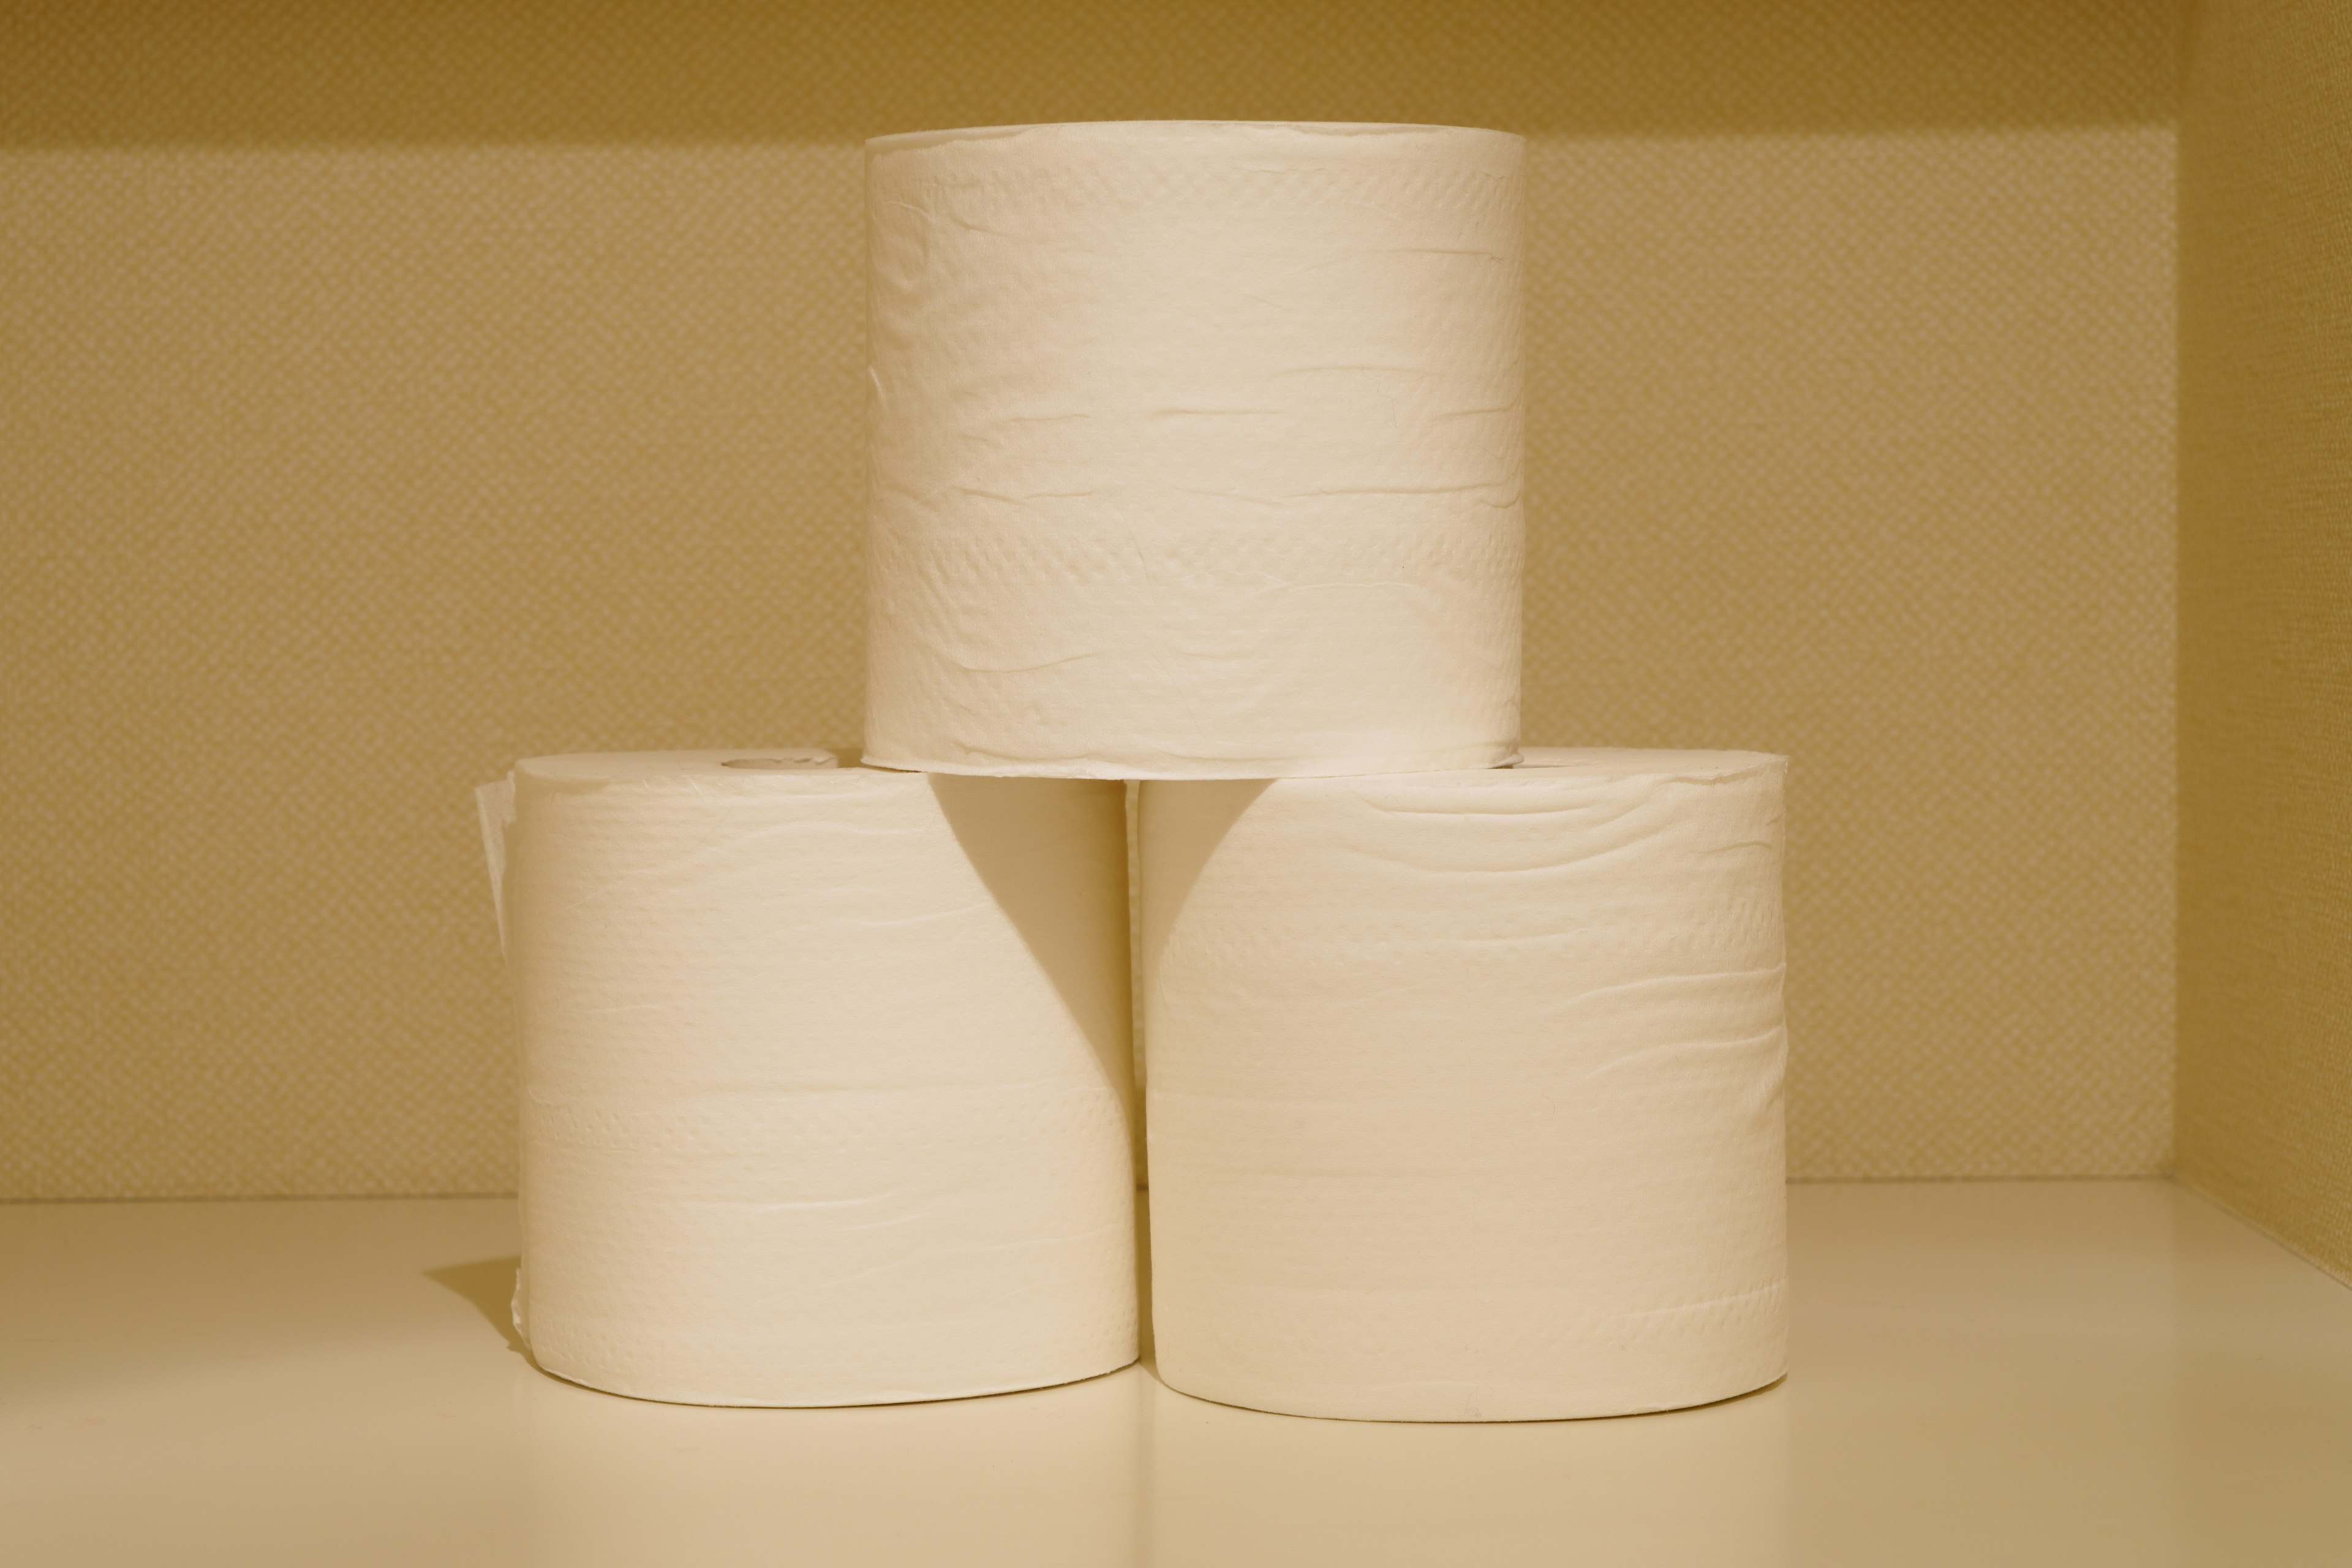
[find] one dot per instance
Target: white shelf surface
(2025, 1372)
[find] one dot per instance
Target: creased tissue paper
(1465, 1088)
(825, 1078)
(1195, 449)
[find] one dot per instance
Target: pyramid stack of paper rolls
(1195, 461)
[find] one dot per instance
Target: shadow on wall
(1216, 802)
(1062, 892)
(294, 72)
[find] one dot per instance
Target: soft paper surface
(826, 1074)
(494, 803)
(1196, 449)
(1465, 1088)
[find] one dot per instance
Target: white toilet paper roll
(825, 1078)
(1465, 1088)
(1195, 449)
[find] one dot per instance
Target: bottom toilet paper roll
(825, 1078)
(1464, 1100)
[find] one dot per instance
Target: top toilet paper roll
(1465, 1099)
(1195, 449)
(824, 1078)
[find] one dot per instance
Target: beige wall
(1859, 449)
(2266, 617)
(394, 391)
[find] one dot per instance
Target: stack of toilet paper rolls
(1196, 458)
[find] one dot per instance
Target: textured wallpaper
(2266, 618)
(1860, 449)
(391, 392)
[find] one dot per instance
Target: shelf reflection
(1120, 1470)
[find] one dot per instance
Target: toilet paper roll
(1195, 449)
(1465, 1088)
(826, 1079)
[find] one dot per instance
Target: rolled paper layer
(826, 1079)
(1196, 449)
(1464, 1100)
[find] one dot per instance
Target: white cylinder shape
(1195, 449)
(1464, 1100)
(826, 1079)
